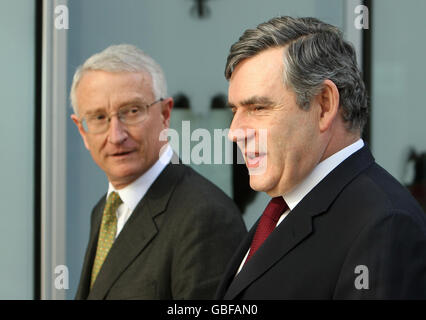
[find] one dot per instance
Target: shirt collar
(132, 194)
(320, 172)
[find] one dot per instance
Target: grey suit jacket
(175, 245)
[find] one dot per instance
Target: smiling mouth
(253, 159)
(121, 154)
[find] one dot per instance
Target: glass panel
(398, 97)
(17, 145)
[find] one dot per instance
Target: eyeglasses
(98, 122)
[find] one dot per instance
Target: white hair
(121, 58)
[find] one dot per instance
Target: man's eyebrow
(254, 100)
(132, 101)
(123, 104)
(257, 100)
(93, 111)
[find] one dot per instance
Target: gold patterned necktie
(106, 234)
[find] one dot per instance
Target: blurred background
(49, 181)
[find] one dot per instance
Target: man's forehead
(94, 77)
(255, 89)
(263, 62)
(105, 90)
(259, 70)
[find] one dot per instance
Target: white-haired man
(162, 231)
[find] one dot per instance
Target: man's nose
(239, 129)
(117, 131)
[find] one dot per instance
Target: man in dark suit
(162, 231)
(339, 226)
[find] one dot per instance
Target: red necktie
(267, 223)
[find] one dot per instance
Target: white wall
(17, 149)
(398, 84)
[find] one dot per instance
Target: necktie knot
(275, 208)
(112, 203)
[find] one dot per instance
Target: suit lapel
(138, 232)
(84, 284)
(296, 227)
(235, 263)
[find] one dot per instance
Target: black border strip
(367, 73)
(37, 146)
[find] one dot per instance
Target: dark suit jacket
(175, 245)
(357, 229)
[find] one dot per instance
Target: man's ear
(81, 130)
(328, 101)
(166, 110)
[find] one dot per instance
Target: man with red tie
(338, 225)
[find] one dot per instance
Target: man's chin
(262, 184)
(258, 183)
(123, 178)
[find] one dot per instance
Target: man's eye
(233, 110)
(130, 112)
(258, 108)
(97, 117)
(134, 110)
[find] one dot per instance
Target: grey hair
(121, 58)
(314, 51)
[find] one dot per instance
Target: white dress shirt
(132, 194)
(322, 169)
